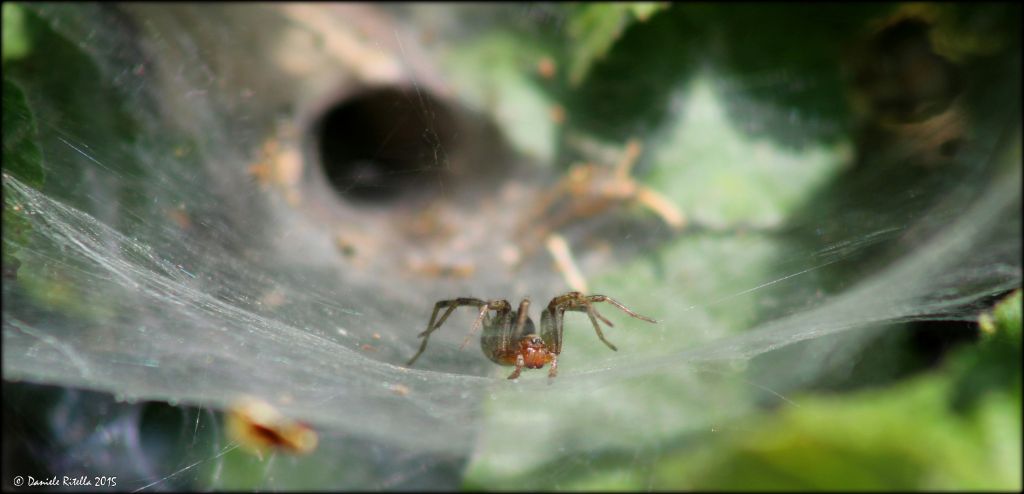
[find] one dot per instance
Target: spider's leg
(597, 327)
(433, 317)
(592, 308)
(577, 301)
(523, 313)
(554, 368)
(551, 318)
(507, 329)
(501, 306)
(520, 362)
(551, 329)
(431, 327)
(623, 308)
(476, 325)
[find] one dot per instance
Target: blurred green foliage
(900, 438)
(22, 157)
(15, 42)
(89, 110)
(78, 96)
(506, 90)
(916, 435)
(910, 436)
(595, 27)
(995, 366)
(753, 49)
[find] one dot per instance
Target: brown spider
(509, 336)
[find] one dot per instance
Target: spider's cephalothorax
(510, 337)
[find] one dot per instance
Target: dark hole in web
(161, 432)
(386, 143)
(932, 341)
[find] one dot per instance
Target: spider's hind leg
(501, 306)
(577, 302)
(431, 326)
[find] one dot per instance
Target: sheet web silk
(189, 319)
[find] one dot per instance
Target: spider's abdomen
(503, 358)
(500, 343)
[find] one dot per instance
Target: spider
(510, 337)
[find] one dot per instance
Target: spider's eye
(536, 341)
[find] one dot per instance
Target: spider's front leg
(551, 320)
(623, 308)
(520, 362)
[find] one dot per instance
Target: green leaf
(60, 81)
(594, 28)
(22, 157)
(905, 437)
(721, 176)
(995, 366)
(1004, 320)
(16, 42)
(493, 75)
(902, 438)
(15, 228)
(644, 10)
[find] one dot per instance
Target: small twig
(560, 251)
